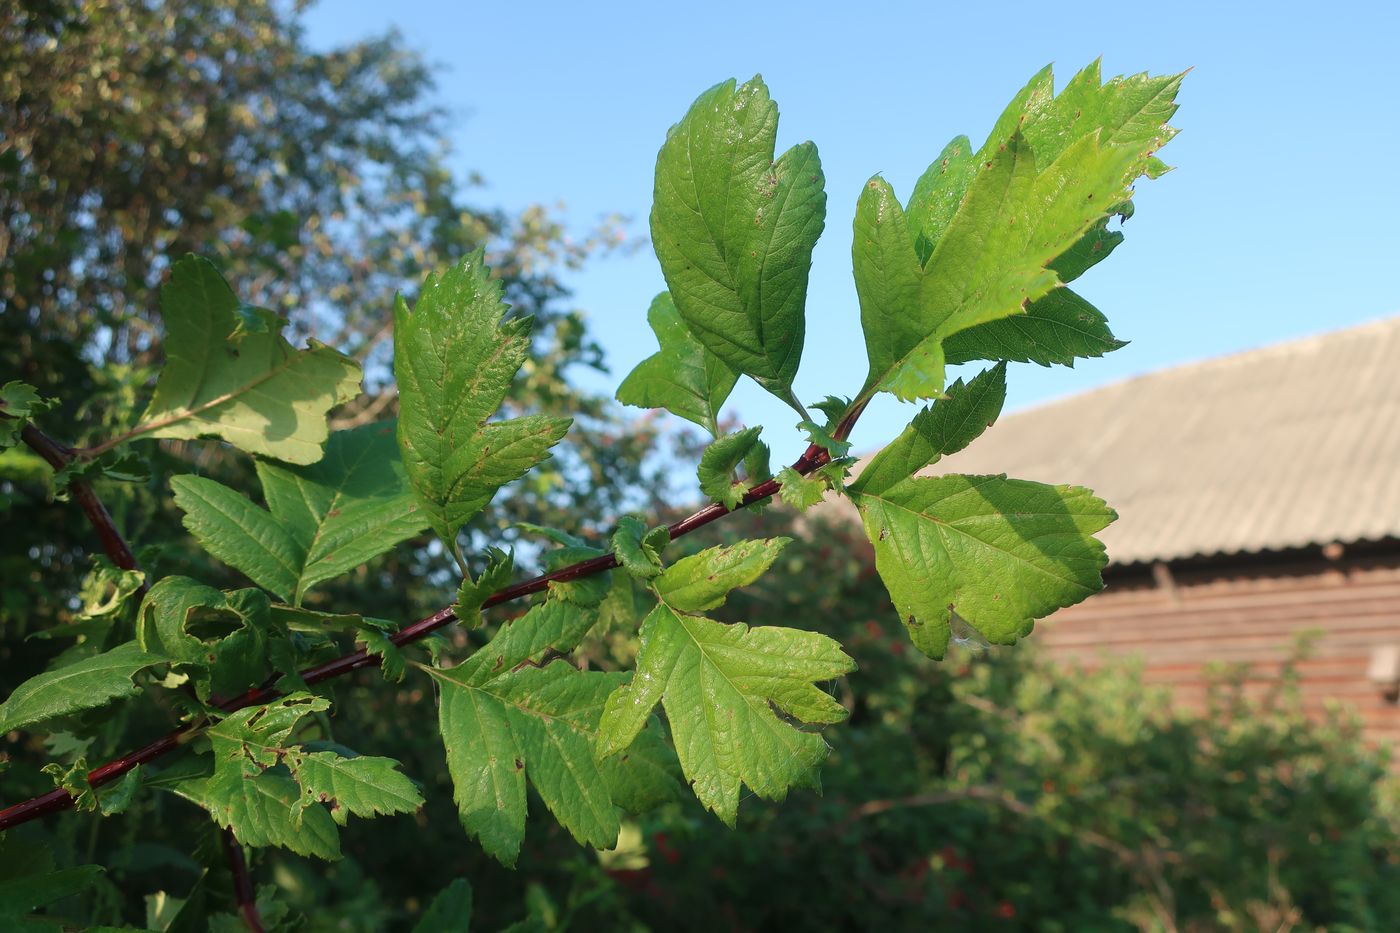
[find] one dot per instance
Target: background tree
(137, 132)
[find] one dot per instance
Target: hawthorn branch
(813, 458)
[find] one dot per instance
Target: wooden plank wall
(1179, 619)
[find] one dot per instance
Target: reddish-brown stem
(812, 458)
(242, 883)
(60, 455)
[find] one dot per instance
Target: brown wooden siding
(1180, 621)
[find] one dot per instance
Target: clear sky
(1281, 220)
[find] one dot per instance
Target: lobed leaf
(503, 723)
(224, 641)
(454, 360)
(702, 581)
(800, 492)
(734, 230)
(983, 234)
(229, 373)
(722, 458)
(638, 549)
(999, 552)
(719, 685)
(471, 594)
(259, 806)
(19, 401)
(296, 808)
(945, 427)
(1055, 330)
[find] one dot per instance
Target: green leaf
(502, 726)
(450, 911)
(719, 685)
(639, 550)
(558, 536)
(756, 465)
(471, 594)
(702, 581)
(824, 436)
(322, 520)
(497, 725)
(734, 230)
(110, 799)
(983, 234)
(943, 428)
(682, 377)
(720, 461)
(454, 360)
(377, 644)
(889, 285)
(258, 806)
(494, 719)
(237, 532)
(360, 785)
(1056, 329)
(86, 684)
(122, 468)
(646, 775)
(999, 552)
(243, 791)
(115, 798)
(587, 591)
(624, 606)
(938, 194)
(1093, 247)
(223, 640)
(800, 492)
(19, 402)
(28, 892)
(245, 384)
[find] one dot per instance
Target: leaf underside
(229, 373)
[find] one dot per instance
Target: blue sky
(1281, 220)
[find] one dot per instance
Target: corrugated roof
(1286, 446)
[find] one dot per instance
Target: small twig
(812, 458)
(60, 455)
